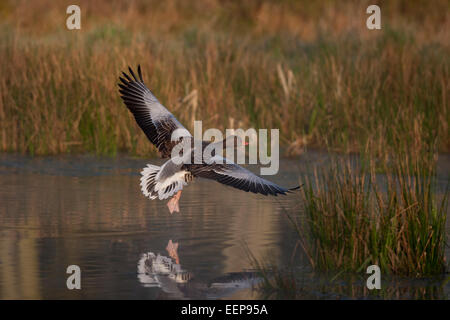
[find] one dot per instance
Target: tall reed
(355, 218)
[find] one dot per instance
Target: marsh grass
(312, 70)
(355, 218)
(302, 282)
(360, 212)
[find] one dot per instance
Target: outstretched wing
(152, 117)
(231, 174)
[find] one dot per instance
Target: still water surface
(86, 211)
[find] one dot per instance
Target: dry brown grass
(312, 70)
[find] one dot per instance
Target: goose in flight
(166, 133)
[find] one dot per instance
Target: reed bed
(360, 211)
(312, 70)
(356, 218)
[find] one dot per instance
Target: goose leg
(173, 203)
(172, 249)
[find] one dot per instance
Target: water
(60, 211)
(86, 211)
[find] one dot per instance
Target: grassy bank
(312, 70)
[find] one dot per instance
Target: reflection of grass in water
(275, 283)
(59, 94)
(291, 283)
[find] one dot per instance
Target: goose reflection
(166, 273)
(156, 270)
(172, 249)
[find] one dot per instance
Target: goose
(166, 132)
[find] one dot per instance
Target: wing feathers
(152, 117)
(140, 73)
(231, 174)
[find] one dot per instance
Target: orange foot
(172, 249)
(173, 203)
